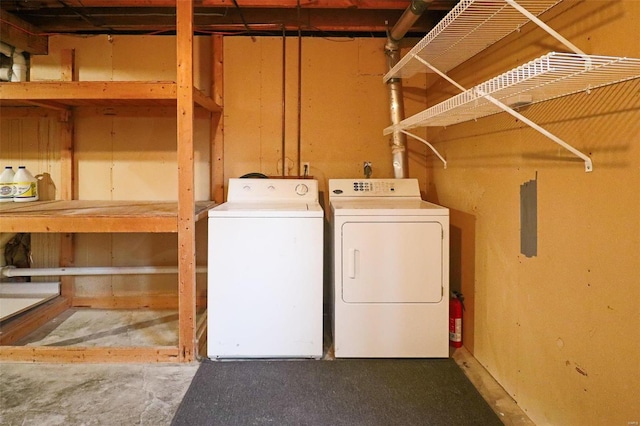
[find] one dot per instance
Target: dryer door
(392, 262)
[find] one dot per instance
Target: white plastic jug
(26, 186)
(7, 187)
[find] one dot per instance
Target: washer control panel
(374, 188)
(253, 190)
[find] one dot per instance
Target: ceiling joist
(22, 35)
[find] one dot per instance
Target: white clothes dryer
(265, 271)
(390, 270)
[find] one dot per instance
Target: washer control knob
(302, 189)
(246, 188)
(271, 188)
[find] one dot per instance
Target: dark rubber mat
(341, 392)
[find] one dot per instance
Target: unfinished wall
(343, 107)
(558, 330)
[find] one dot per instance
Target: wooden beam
(186, 183)
(67, 176)
(217, 124)
(146, 301)
(68, 64)
(87, 90)
(56, 106)
(231, 19)
(313, 4)
(201, 335)
(23, 325)
(328, 4)
(206, 102)
(70, 354)
(91, 216)
(22, 35)
(26, 112)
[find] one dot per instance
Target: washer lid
(386, 207)
(267, 209)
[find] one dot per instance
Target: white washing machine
(265, 271)
(390, 270)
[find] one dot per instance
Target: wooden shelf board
(80, 216)
(96, 93)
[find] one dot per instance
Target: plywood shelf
(64, 94)
(79, 216)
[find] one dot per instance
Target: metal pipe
(284, 100)
(11, 271)
(299, 123)
(408, 18)
(392, 50)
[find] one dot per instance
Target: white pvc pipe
(99, 270)
(5, 73)
(18, 70)
(19, 67)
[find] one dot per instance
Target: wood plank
(217, 122)
(495, 395)
(75, 91)
(94, 216)
(22, 35)
(26, 112)
(308, 4)
(63, 94)
(201, 335)
(325, 4)
(20, 326)
(56, 106)
(151, 301)
(68, 64)
(67, 180)
(206, 102)
(62, 354)
(186, 200)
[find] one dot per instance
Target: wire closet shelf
(551, 76)
(470, 27)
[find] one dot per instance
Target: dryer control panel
(342, 188)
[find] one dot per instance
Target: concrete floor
(137, 394)
(90, 394)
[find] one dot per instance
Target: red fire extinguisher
(456, 307)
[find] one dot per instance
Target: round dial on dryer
(302, 189)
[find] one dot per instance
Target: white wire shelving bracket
(431, 147)
(472, 26)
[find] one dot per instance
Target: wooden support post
(68, 63)
(217, 124)
(67, 177)
(186, 194)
